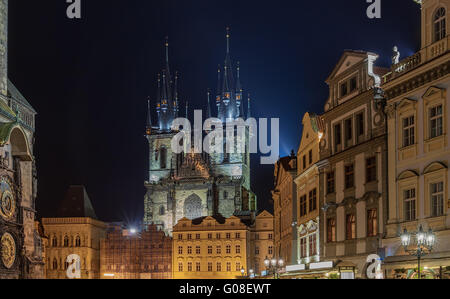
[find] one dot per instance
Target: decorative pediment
(312, 226)
(347, 61)
(407, 174)
(435, 166)
(264, 214)
(406, 103)
(434, 92)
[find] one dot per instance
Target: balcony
(425, 55)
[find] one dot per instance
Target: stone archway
(19, 144)
(193, 207)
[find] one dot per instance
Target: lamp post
(273, 265)
(423, 243)
(243, 272)
(251, 271)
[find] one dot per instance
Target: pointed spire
(159, 89)
(175, 92)
(187, 109)
(208, 108)
(219, 77)
(238, 83)
(228, 40)
(249, 112)
(149, 117)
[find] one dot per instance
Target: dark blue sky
(89, 78)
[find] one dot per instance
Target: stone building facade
(192, 185)
(127, 254)
(215, 247)
(76, 230)
(21, 252)
(353, 153)
(417, 88)
(285, 209)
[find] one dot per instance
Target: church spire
(249, 112)
(187, 109)
(149, 117)
(208, 108)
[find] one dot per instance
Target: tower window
(163, 160)
(439, 24)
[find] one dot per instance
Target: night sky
(89, 79)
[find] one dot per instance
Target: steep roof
(76, 204)
(16, 95)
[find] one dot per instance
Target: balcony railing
(423, 56)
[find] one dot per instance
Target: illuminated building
(353, 153)
(417, 88)
(76, 230)
(284, 199)
(307, 224)
(215, 247)
(131, 254)
(192, 185)
(21, 252)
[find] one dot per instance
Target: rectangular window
(228, 267)
(313, 245)
(360, 125)
(304, 162)
(189, 237)
(238, 249)
(180, 267)
(219, 267)
(228, 249)
(270, 236)
(371, 169)
(197, 236)
(189, 251)
(210, 267)
(197, 250)
(180, 237)
(210, 250)
(338, 137)
(351, 227)
(209, 236)
(331, 183)
(348, 131)
(372, 223)
(256, 250)
(353, 84)
(219, 250)
(408, 131)
(189, 267)
(310, 157)
(198, 267)
(344, 89)
(238, 235)
(437, 199)
(303, 209)
(238, 266)
(303, 249)
(228, 235)
(349, 176)
(313, 200)
(410, 204)
(270, 250)
(331, 230)
(218, 236)
(436, 122)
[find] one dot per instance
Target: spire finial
(249, 112)
(149, 117)
(167, 48)
(228, 39)
(208, 108)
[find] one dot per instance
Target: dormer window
(353, 84)
(344, 89)
(439, 24)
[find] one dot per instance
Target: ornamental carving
(7, 200)
(8, 246)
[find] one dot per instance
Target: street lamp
(251, 271)
(424, 242)
(243, 272)
(273, 266)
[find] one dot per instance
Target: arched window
(439, 24)
(66, 241)
(162, 211)
(55, 264)
(55, 242)
(78, 241)
(163, 160)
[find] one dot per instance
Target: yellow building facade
(75, 231)
(220, 248)
(418, 110)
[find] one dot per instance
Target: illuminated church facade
(191, 185)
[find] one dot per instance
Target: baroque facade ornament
(8, 250)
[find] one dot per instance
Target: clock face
(8, 250)
(7, 201)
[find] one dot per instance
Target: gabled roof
(76, 204)
(264, 214)
(348, 59)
